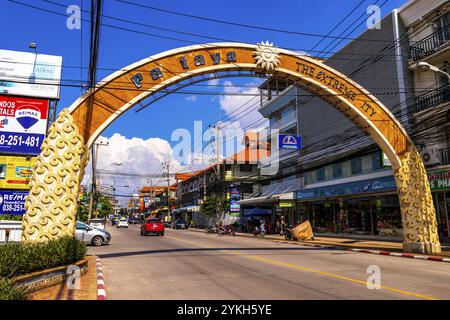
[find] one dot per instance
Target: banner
(23, 124)
(30, 74)
(12, 202)
(15, 172)
(235, 197)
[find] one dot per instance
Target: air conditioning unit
(430, 155)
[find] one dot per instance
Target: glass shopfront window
(364, 216)
(442, 207)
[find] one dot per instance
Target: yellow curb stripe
(324, 273)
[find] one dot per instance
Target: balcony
(432, 99)
(429, 45)
(445, 156)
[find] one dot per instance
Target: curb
(381, 252)
(101, 292)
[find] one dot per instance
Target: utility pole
(94, 152)
(168, 188)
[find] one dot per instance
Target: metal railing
(430, 44)
(445, 156)
(432, 99)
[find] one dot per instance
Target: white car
(97, 223)
(122, 223)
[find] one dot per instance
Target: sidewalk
(88, 290)
(342, 243)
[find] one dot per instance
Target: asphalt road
(191, 265)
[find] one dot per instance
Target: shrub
(17, 259)
(9, 292)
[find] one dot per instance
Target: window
(376, 160)
(337, 170)
(247, 188)
(246, 168)
(356, 164)
(320, 174)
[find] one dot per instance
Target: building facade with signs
(29, 89)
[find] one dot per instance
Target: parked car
(180, 224)
(123, 223)
(91, 235)
(97, 223)
(152, 226)
(134, 220)
(114, 221)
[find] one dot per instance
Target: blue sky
(119, 48)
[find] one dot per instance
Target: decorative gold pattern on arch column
(52, 202)
(420, 232)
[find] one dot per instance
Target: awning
(256, 200)
(257, 212)
(190, 208)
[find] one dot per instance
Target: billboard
(15, 172)
(12, 202)
(30, 74)
(23, 124)
(289, 141)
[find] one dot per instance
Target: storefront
(365, 207)
(440, 187)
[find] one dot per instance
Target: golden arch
(51, 204)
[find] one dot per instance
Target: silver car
(91, 235)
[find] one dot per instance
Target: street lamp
(425, 66)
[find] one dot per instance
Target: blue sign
(351, 188)
(235, 197)
(289, 141)
(12, 202)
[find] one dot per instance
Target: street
(193, 265)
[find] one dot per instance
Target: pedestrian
(282, 225)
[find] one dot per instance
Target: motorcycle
(258, 232)
(287, 232)
(211, 229)
(228, 229)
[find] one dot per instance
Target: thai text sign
(439, 180)
(23, 123)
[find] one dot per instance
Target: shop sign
(352, 188)
(439, 180)
(12, 202)
(30, 74)
(235, 197)
(385, 160)
(23, 124)
(15, 172)
(228, 175)
(286, 204)
(290, 141)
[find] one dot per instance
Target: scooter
(258, 232)
(228, 229)
(287, 232)
(211, 229)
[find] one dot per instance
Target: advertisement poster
(235, 196)
(15, 172)
(12, 202)
(29, 74)
(23, 124)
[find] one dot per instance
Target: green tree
(209, 206)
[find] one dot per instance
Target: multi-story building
(427, 24)
(339, 178)
(154, 200)
(236, 177)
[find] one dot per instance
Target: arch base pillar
(420, 232)
(51, 206)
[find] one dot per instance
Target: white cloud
(191, 98)
(134, 156)
(242, 109)
(213, 82)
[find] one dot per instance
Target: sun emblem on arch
(267, 56)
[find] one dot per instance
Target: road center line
(307, 269)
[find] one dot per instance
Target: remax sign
(289, 141)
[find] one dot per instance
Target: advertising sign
(351, 188)
(23, 124)
(439, 180)
(12, 202)
(289, 141)
(15, 172)
(235, 196)
(30, 74)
